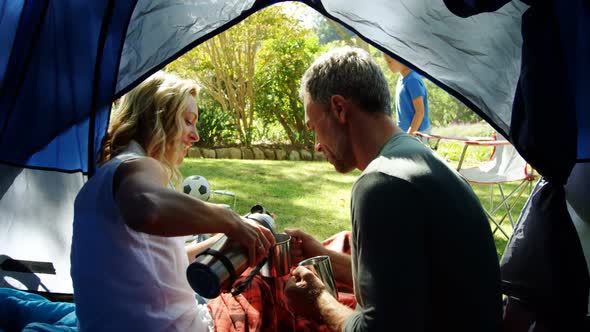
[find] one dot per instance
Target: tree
(282, 60)
(329, 31)
(225, 67)
(253, 70)
(446, 109)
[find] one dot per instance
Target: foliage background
(250, 76)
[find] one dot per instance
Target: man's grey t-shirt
(423, 257)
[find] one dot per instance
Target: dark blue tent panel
(10, 14)
(60, 75)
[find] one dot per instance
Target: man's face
(331, 136)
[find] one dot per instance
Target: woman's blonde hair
(151, 114)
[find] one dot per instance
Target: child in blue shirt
(411, 99)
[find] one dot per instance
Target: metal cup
(321, 267)
(279, 262)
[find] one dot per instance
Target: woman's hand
(255, 238)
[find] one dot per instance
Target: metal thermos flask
(216, 269)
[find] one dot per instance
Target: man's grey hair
(351, 73)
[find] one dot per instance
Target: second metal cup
(321, 266)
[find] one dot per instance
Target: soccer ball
(197, 186)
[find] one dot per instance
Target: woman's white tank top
(126, 280)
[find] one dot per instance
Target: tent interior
(62, 63)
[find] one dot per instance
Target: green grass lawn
(308, 195)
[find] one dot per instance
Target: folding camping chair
(434, 140)
(504, 166)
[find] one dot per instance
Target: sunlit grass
(308, 195)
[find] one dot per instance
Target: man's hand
(304, 246)
(307, 296)
(303, 290)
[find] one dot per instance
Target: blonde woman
(128, 256)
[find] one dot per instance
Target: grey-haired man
(423, 257)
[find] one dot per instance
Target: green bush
(215, 126)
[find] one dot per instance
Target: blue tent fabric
(550, 128)
(57, 88)
(62, 62)
(550, 97)
(19, 20)
(534, 266)
(10, 13)
(59, 85)
(159, 32)
(550, 107)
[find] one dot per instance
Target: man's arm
(391, 274)
(309, 297)
(341, 266)
(418, 103)
(305, 246)
(333, 312)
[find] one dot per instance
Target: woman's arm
(140, 189)
(194, 249)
